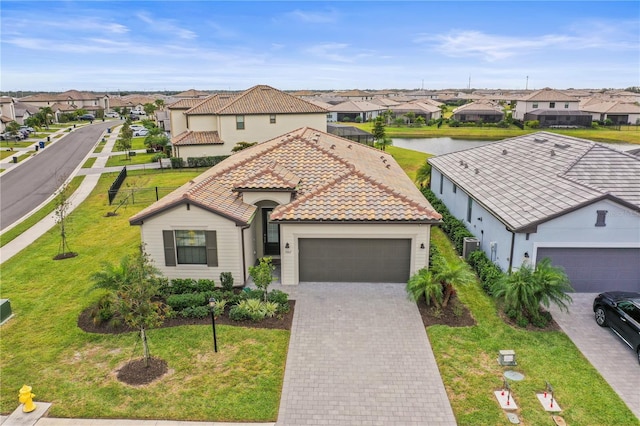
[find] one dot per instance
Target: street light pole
(212, 305)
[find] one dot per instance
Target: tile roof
(333, 179)
(189, 137)
(479, 107)
(259, 99)
(547, 94)
(360, 106)
(185, 103)
(530, 179)
(272, 177)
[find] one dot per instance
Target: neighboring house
(355, 111)
(255, 115)
(24, 111)
(354, 95)
(478, 111)
(421, 109)
(7, 111)
(552, 108)
(547, 195)
(192, 94)
(326, 208)
(73, 98)
(616, 111)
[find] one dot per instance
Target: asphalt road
(25, 187)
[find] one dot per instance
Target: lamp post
(212, 305)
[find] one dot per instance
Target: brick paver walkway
(359, 355)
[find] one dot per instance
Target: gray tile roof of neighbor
(530, 179)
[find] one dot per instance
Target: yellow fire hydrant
(26, 397)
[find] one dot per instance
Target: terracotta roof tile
(189, 137)
(334, 179)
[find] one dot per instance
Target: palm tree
(451, 274)
(423, 284)
(112, 277)
(47, 115)
(524, 290)
(423, 175)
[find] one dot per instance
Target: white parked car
(140, 132)
(112, 114)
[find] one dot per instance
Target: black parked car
(88, 117)
(620, 311)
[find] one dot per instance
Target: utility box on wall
(469, 245)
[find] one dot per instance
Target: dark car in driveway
(620, 311)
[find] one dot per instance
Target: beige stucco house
(212, 126)
(326, 208)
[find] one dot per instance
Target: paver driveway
(615, 361)
(359, 355)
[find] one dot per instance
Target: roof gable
(264, 99)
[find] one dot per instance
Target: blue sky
(116, 46)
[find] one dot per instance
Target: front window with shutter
(190, 247)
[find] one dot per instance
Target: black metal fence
(142, 195)
(115, 186)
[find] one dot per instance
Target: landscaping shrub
(205, 285)
(195, 312)
(281, 299)
(532, 124)
(178, 302)
(253, 293)
(205, 161)
(487, 271)
(226, 280)
(177, 163)
(250, 309)
(262, 274)
(452, 226)
(454, 123)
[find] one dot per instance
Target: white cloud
(331, 51)
(328, 17)
(166, 26)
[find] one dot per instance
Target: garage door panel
(354, 260)
(597, 269)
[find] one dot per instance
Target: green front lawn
(467, 357)
(43, 347)
(122, 160)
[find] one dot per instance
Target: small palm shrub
(524, 291)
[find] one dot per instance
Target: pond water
(439, 146)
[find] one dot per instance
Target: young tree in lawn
(135, 288)
(156, 139)
(61, 211)
(12, 128)
(384, 143)
(124, 139)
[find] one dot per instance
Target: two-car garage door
(594, 270)
(354, 259)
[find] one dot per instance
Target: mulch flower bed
(455, 314)
(85, 322)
